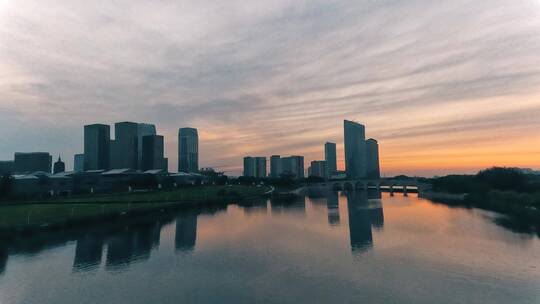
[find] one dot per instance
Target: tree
(504, 179)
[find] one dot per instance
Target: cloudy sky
(445, 86)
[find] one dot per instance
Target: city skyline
(447, 87)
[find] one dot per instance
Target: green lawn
(59, 211)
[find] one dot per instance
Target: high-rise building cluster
(361, 155)
(361, 159)
(136, 147)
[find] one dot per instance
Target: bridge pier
(391, 190)
(405, 191)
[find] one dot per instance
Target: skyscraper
(372, 154)
(293, 165)
(330, 158)
(319, 168)
(275, 166)
(125, 146)
(250, 168)
(255, 167)
(59, 166)
(78, 163)
(152, 153)
(97, 147)
(31, 162)
(260, 162)
(188, 150)
(355, 149)
(143, 129)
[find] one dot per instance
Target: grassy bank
(72, 210)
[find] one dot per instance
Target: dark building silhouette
(142, 131)
(88, 252)
(78, 162)
(188, 150)
(152, 158)
(372, 154)
(318, 169)
(255, 166)
(355, 149)
(32, 162)
(330, 156)
(7, 167)
(125, 146)
(97, 152)
(359, 221)
(186, 232)
(59, 166)
(293, 165)
(275, 166)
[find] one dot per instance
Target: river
(326, 248)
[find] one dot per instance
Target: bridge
(391, 185)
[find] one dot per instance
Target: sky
(444, 86)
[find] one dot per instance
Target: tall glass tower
(188, 150)
(355, 149)
(330, 158)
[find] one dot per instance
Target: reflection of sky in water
(325, 248)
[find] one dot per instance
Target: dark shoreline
(515, 217)
(117, 210)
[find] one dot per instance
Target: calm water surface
(329, 248)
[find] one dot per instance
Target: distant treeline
(505, 190)
(503, 179)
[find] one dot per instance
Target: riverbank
(520, 212)
(44, 214)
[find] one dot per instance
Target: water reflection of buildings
(332, 203)
(186, 232)
(296, 206)
(256, 206)
(88, 252)
(133, 244)
(365, 211)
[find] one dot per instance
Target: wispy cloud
(277, 77)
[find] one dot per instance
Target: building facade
(78, 162)
(125, 146)
(97, 152)
(319, 169)
(143, 129)
(275, 166)
(260, 162)
(249, 167)
(355, 149)
(293, 165)
(373, 165)
(32, 162)
(255, 167)
(330, 156)
(188, 150)
(153, 153)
